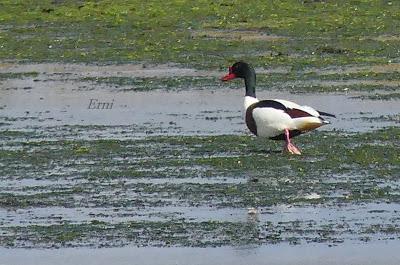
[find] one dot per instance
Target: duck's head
(245, 71)
(238, 70)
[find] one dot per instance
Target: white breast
(248, 101)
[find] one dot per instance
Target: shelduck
(275, 119)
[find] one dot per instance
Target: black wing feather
(326, 114)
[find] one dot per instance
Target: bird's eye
(230, 69)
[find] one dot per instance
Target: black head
(243, 70)
(238, 70)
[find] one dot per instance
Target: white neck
(248, 101)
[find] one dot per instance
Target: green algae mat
(205, 34)
(194, 191)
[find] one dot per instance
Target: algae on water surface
(150, 191)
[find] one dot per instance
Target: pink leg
(291, 148)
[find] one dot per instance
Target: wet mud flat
(171, 166)
(195, 191)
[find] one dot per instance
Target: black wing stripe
(270, 104)
(326, 114)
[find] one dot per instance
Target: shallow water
(351, 215)
(194, 112)
(64, 193)
(60, 96)
(282, 254)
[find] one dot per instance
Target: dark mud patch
(243, 35)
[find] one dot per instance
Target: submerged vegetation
(160, 178)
